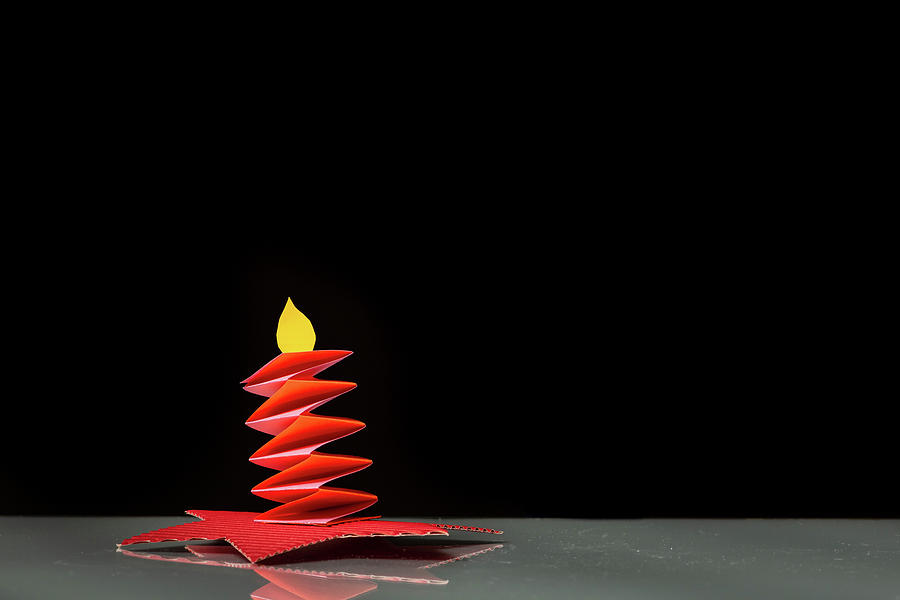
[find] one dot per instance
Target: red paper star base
(257, 541)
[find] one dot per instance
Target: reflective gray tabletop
(63, 557)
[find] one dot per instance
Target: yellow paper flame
(295, 332)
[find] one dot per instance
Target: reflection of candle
(289, 384)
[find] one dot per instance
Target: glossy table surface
(76, 557)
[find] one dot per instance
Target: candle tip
(295, 332)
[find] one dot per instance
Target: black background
(529, 362)
(646, 284)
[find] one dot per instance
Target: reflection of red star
(257, 541)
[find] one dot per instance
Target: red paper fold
(273, 374)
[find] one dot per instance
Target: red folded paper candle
(309, 511)
(292, 393)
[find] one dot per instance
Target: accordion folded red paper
(298, 434)
(309, 511)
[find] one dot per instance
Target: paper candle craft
(293, 392)
(309, 511)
